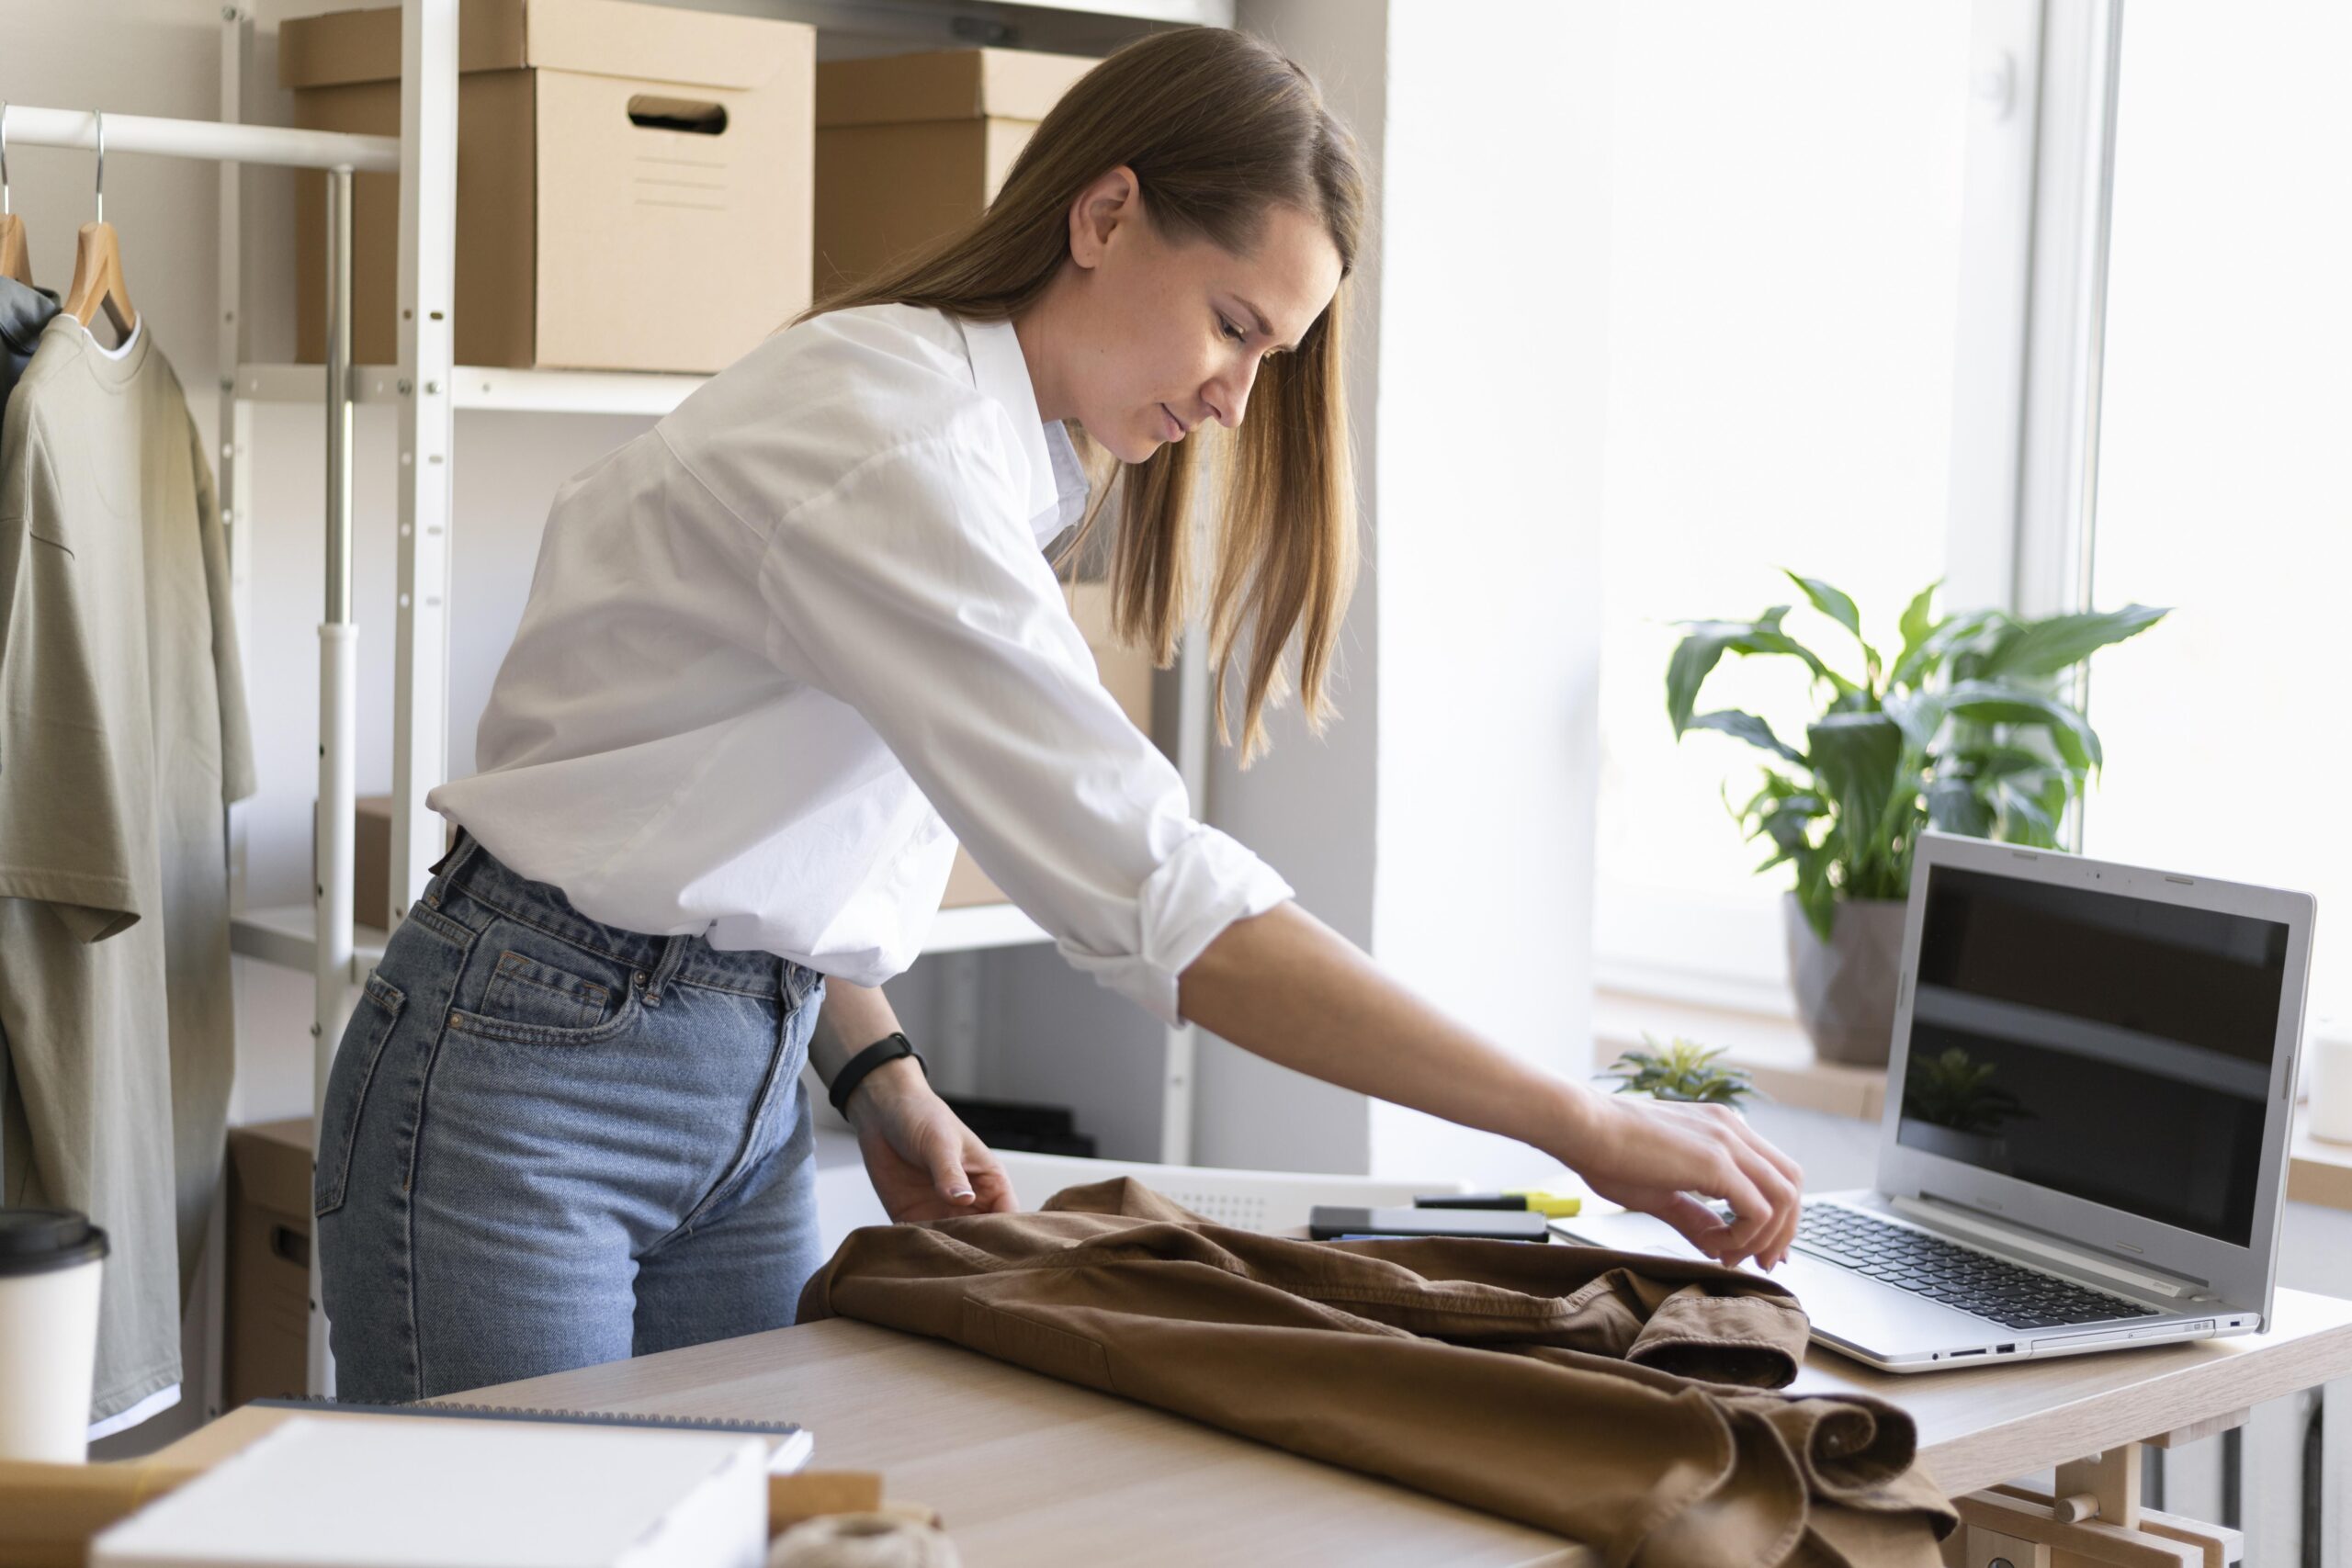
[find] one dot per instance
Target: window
(1785, 244)
(2221, 486)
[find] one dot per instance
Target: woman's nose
(1228, 395)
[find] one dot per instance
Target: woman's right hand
(1654, 1156)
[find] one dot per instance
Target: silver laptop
(2088, 1110)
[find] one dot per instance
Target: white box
(413, 1492)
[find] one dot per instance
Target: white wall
(1308, 806)
(1493, 379)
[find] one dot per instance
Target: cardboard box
(913, 147)
(1127, 675)
(371, 860)
(266, 1340)
(634, 182)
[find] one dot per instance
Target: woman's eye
(1236, 333)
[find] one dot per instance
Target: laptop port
(2003, 1349)
(1956, 1355)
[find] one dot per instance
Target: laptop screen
(2108, 1047)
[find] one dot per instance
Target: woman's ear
(1113, 198)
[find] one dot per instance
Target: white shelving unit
(426, 389)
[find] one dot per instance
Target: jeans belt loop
(445, 869)
(674, 958)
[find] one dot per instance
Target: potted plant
(1962, 730)
(1683, 1070)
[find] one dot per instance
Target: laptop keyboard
(1957, 1276)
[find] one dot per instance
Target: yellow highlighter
(1551, 1205)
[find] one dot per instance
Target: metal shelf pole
(427, 287)
(338, 725)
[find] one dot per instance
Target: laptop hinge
(1954, 1218)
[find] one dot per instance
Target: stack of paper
(423, 1493)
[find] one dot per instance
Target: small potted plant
(1962, 731)
(1681, 1070)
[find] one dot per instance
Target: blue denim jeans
(549, 1143)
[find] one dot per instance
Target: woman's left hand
(923, 1162)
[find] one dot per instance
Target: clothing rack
(428, 33)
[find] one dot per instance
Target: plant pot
(1614, 1093)
(1845, 987)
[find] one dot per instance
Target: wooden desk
(1027, 1471)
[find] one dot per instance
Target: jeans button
(640, 977)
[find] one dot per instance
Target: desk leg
(2336, 1472)
(2095, 1521)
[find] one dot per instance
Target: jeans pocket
(524, 990)
(371, 1024)
(543, 991)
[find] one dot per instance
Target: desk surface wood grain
(1027, 1471)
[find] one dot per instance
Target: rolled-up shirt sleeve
(913, 591)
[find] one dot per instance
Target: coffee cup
(50, 1263)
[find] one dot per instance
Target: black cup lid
(36, 1241)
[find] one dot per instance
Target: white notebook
(460, 1494)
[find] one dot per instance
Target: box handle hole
(290, 1245)
(694, 116)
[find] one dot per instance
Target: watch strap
(890, 1048)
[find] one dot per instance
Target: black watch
(890, 1048)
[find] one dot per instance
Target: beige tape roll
(863, 1540)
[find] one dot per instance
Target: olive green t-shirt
(124, 735)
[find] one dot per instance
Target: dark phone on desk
(1488, 1225)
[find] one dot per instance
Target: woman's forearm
(852, 1018)
(1286, 986)
(1289, 988)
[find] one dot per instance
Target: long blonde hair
(1218, 128)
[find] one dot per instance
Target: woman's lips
(1175, 426)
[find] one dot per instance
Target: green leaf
(1955, 806)
(1749, 727)
(1857, 757)
(2044, 648)
(1950, 636)
(1703, 647)
(1704, 644)
(1915, 624)
(2017, 805)
(1815, 896)
(1789, 823)
(1919, 715)
(1838, 606)
(1988, 702)
(1989, 760)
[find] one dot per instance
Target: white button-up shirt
(766, 639)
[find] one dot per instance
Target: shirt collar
(1057, 484)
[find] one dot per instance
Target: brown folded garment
(1615, 1398)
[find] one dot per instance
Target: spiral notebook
(788, 1452)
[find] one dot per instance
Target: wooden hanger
(15, 260)
(97, 264)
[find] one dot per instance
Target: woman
(766, 639)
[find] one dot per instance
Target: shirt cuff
(1210, 881)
